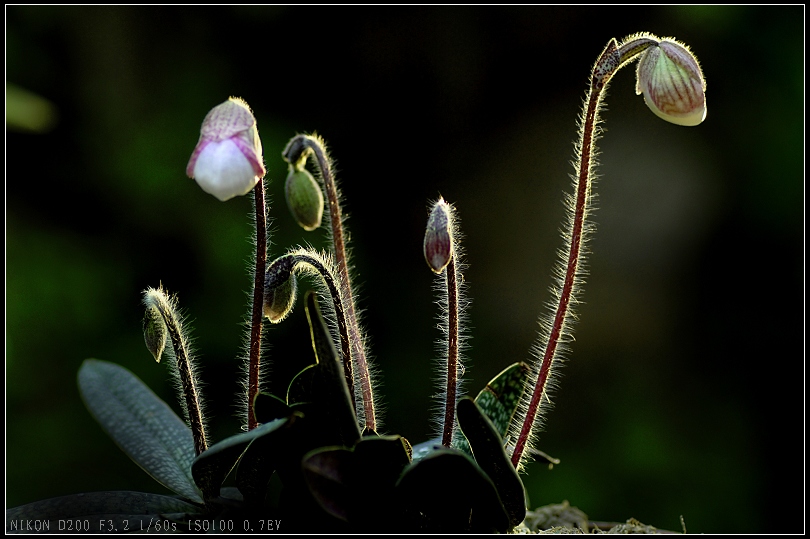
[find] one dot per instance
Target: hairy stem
(296, 150)
(287, 264)
(258, 300)
(607, 64)
(452, 352)
(613, 57)
(190, 392)
(583, 186)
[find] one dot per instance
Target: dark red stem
(583, 188)
(258, 301)
(452, 352)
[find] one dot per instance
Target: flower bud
(154, 332)
(438, 244)
(280, 288)
(227, 161)
(304, 198)
(670, 78)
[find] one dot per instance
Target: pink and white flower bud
(227, 161)
(438, 245)
(672, 82)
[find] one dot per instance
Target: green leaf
(487, 447)
(378, 463)
(422, 450)
(446, 492)
(499, 401)
(358, 485)
(383, 458)
(268, 408)
(328, 472)
(119, 511)
(301, 386)
(500, 398)
(323, 385)
(262, 457)
(212, 466)
(142, 425)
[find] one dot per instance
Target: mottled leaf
(98, 512)
(500, 398)
(142, 425)
(420, 451)
(499, 401)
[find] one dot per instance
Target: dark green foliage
(142, 425)
(263, 457)
(489, 453)
(211, 467)
(106, 511)
(268, 407)
(358, 485)
(500, 398)
(335, 478)
(447, 492)
(499, 401)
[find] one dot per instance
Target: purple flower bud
(227, 161)
(670, 78)
(439, 237)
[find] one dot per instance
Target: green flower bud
(280, 288)
(438, 246)
(154, 332)
(670, 78)
(304, 198)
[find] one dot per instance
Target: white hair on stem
(449, 318)
(182, 364)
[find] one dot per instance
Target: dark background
(684, 390)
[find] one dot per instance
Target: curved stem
(604, 68)
(254, 356)
(583, 186)
(191, 398)
(296, 150)
(340, 314)
(280, 270)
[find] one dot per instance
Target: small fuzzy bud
(280, 289)
(672, 82)
(154, 332)
(227, 161)
(304, 198)
(438, 244)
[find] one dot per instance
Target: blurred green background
(684, 390)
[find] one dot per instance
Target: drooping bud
(304, 198)
(154, 332)
(227, 160)
(297, 150)
(280, 289)
(438, 246)
(672, 82)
